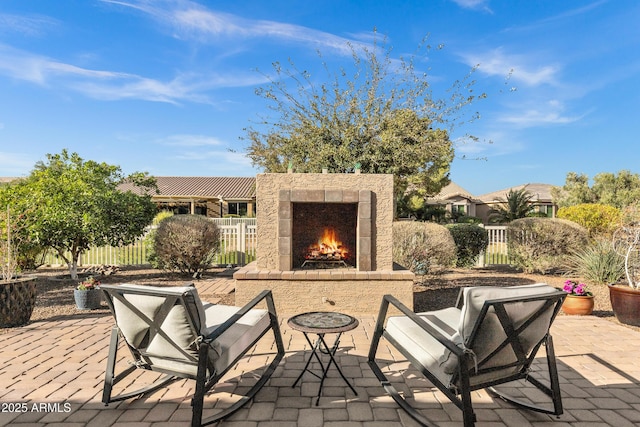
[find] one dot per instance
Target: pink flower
(574, 288)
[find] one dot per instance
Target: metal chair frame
(206, 376)
(460, 393)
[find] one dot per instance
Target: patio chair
(169, 330)
(491, 337)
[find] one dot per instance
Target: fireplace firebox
(324, 235)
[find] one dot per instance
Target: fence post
(242, 243)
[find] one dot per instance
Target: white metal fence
(237, 247)
(496, 252)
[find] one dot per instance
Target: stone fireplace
(324, 244)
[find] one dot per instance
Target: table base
(315, 348)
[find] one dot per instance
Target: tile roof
(540, 192)
(452, 190)
(204, 186)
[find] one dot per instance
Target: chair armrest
(266, 294)
(446, 342)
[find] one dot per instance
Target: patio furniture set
(490, 337)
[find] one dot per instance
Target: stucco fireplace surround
(295, 214)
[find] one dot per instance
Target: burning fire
(328, 247)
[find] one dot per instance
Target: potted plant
(625, 298)
(580, 299)
(87, 294)
(17, 293)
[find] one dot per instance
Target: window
(238, 208)
(546, 209)
(459, 209)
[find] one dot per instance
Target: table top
(323, 322)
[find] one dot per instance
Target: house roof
(203, 186)
(450, 191)
(540, 192)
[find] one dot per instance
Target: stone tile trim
(286, 198)
(324, 196)
(251, 272)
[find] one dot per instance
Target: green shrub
(597, 263)
(187, 243)
(150, 237)
(470, 240)
(542, 244)
(597, 218)
(466, 219)
(423, 247)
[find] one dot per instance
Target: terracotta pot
(578, 304)
(17, 299)
(625, 302)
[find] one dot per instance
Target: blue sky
(168, 86)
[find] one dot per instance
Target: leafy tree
(596, 218)
(382, 118)
(79, 205)
(24, 253)
(575, 191)
(516, 205)
(617, 190)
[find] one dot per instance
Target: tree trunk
(73, 269)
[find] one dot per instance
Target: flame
(328, 246)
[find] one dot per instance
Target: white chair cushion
(238, 337)
(473, 299)
(180, 351)
(491, 333)
(421, 345)
(176, 324)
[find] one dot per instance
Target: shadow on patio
(52, 373)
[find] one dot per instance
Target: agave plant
(597, 263)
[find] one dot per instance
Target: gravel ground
(442, 291)
(55, 289)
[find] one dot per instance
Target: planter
(87, 300)
(17, 299)
(625, 302)
(578, 305)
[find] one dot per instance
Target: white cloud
(493, 143)
(551, 112)
(26, 25)
(571, 13)
(112, 85)
(474, 4)
(189, 20)
(191, 141)
(521, 68)
(221, 159)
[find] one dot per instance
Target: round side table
(321, 323)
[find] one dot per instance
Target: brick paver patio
(51, 374)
